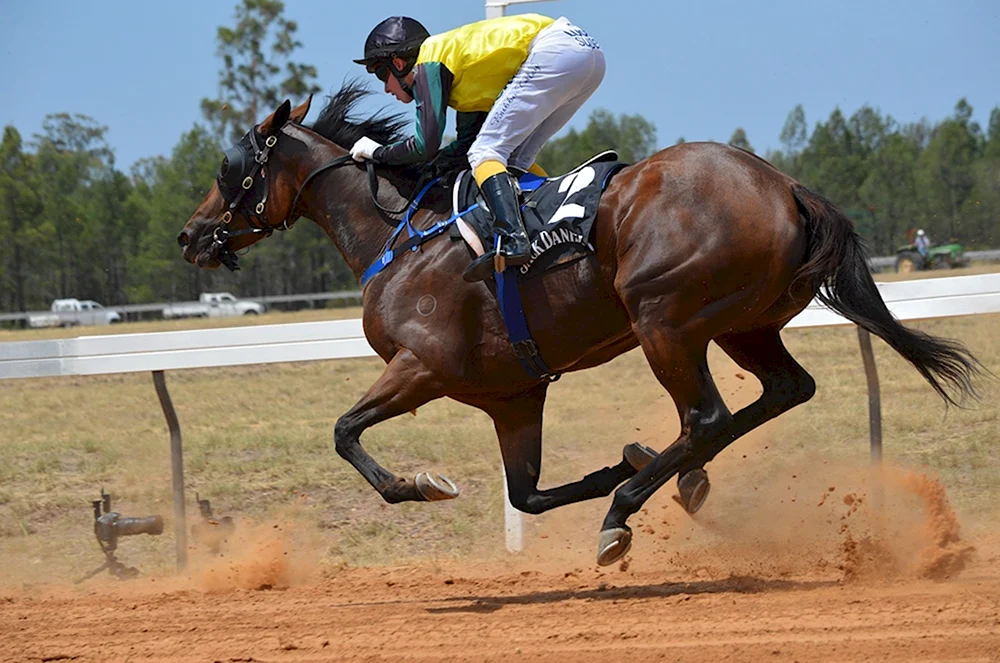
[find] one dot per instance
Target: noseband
(243, 169)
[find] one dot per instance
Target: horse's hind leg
(785, 385)
(679, 360)
(405, 385)
(518, 423)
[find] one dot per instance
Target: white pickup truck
(213, 305)
(72, 312)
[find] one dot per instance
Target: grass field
(258, 443)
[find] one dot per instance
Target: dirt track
(692, 590)
(796, 566)
(799, 567)
(419, 614)
(785, 578)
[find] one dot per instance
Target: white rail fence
(308, 341)
(336, 299)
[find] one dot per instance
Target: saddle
(558, 212)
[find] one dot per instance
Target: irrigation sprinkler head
(211, 532)
(109, 526)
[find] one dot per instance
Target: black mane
(336, 124)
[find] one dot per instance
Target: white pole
(512, 519)
(497, 8)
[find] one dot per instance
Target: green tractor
(908, 259)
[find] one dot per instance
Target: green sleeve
(431, 91)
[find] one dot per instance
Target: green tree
(257, 72)
(71, 154)
(918, 132)
(837, 160)
(890, 192)
(739, 139)
(991, 150)
(832, 162)
(112, 233)
(794, 132)
(869, 129)
(945, 173)
(176, 187)
(138, 209)
(20, 207)
(982, 209)
(793, 138)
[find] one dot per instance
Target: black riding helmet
(396, 36)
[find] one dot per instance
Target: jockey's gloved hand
(364, 149)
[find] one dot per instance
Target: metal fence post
(874, 396)
(177, 467)
(874, 421)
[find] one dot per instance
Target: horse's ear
(299, 113)
(277, 120)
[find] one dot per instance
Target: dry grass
(258, 442)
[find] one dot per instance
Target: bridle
(243, 168)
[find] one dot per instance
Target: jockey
(514, 82)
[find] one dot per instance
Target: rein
(256, 217)
(237, 178)
(386, 214)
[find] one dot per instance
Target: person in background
(923, 243)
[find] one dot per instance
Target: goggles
(380, 69)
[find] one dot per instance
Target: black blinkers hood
(235, 163)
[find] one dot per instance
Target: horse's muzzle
(196, 251)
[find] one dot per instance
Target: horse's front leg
(405, 385)
(518, 423)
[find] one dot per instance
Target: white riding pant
(563, 68)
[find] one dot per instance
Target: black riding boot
(501, 198)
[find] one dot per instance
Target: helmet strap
(401, 74)
(406, 88)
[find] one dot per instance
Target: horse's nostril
(184, 238)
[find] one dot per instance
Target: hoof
(693, 487)
(613, 545)
(638, 455)
(435, 487)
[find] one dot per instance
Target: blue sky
(695, 69)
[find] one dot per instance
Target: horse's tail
(837, 265)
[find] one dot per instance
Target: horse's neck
(339, 201)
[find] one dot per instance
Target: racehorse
(700, 242)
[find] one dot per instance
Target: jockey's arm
(431, 91)
(467, 129)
